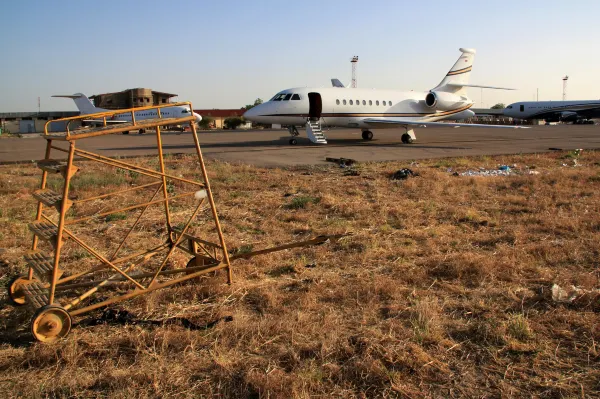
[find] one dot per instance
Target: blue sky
(226, 54)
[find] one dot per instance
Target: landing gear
(367, 135)
(142, 131)
(293, 130)
(50, 323)
(406, 139)
(125, 132)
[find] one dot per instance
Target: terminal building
(131, 98)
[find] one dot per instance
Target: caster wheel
(367, 135)
(50, 323)
(293, 141)
(406, 139)
(15, 295)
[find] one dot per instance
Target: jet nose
(251, 114)
(198, 117)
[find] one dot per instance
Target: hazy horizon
(226, 55)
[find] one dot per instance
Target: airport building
(31, 122)
(131, 98)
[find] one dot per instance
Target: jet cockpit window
(509, 107)
(287, 97)
(185, 111)
(296, 97)
(278, 97)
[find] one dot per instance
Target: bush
(232, 123)
(206, 123)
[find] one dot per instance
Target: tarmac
(271, 147)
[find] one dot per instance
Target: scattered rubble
(403, 174)
(343, 162)
(574, 294)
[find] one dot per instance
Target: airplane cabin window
(384, 103)
(377, 102)
(357, 102)
(296, 97)
(287, 97)
(390, 103)
(370, 102)
(337, 102)
(351, 103)
(364, 102)
(344, 102)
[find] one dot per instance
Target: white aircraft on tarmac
(373, 109)
(578, 112)
(85, 107)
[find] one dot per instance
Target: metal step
(50, 198)
(42, 265)
(44, 230)
(56, 166)
(36, 295)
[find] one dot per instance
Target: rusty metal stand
(54, 290)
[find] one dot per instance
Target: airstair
(315, 132)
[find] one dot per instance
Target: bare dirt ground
(444, 289)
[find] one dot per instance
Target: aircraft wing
(382, 122)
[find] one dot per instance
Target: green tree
(499, 106)
(205, 123)
(258, 101)
(232, 123)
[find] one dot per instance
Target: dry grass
(443, 291)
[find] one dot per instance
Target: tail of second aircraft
(84, 105)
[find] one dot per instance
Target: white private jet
(580, 112)
(85, 107)
(371, 108)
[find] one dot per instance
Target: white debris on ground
(572, 294)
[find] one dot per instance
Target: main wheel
(50, 323)
(125, 132)
(367, 135)
(15, 295)
(142, 131)
(293, 141)
(406, 139)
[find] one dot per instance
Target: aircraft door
(315, 106)
(522, 108)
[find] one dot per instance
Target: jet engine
(443, 101)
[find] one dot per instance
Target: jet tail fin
(458, 76)
(84, 105)
(338, 83)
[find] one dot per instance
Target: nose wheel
(293, 141)
(367, 135)
(406, 139)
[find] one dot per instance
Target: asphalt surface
(271, 147)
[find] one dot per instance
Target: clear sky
(225, 54)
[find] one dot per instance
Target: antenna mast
(354, 61)
(565, 88)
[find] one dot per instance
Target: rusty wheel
(15, 294)
(50, 323)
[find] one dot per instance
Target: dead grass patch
(442, 291)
